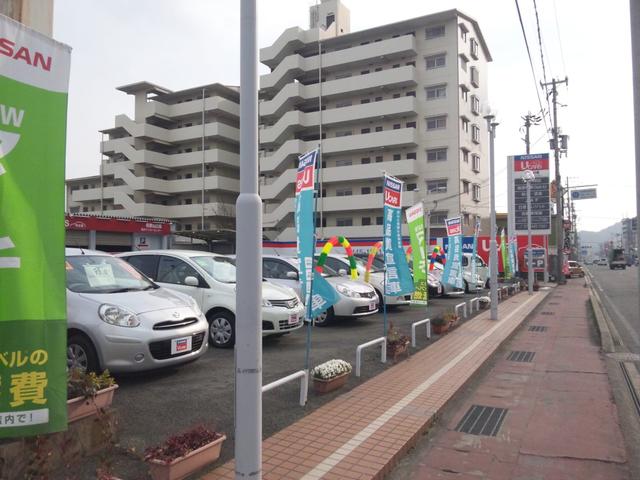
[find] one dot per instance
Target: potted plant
(181, 455)
(536, 286)
(397, 344)
(484, 302)
(439, 325)
(88, 393)
(329, 376)
(451, 317)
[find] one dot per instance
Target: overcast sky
(194, 42)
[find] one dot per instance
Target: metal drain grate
(547, 313)
(554, 303)
(482, 420)
(537, 328)
(519, 356)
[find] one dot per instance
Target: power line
(555, 11)
(544, 70)
(533, 72)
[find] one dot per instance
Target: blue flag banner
(324, 296)
(474, 252)
(398, 280)
(513, 255)
(452, 274)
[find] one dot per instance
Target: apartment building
(403, 98)
(176, 159)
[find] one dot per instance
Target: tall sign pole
(493, 250)
(634, 7)
(248, 349)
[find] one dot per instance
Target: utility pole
(559, 205)
(529, 121)
(634, 14)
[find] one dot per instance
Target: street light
(493, 251)
(529, 177)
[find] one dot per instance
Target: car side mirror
(292, 275)
(191, 281)
(342, 272)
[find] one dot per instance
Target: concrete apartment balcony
(291, 149)
(295, 121)
(283, 212)
(291, 40)
(295, 93)
(213, 104)
(295, 65)
(283, 185)
(132, 208)
(94, 194)
(170, 187)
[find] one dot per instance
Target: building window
(343, 191)
(344, 162)
(465, 219)
(435, 61)
(364, 72)
(476, 192)
(437, 186)
(344, 222)
(464, 93)
(378, 99)
(188, 201)
(324, 221)
(410, 94)
(434, 32)
(397, 65)
(365, 190)
(411, 124)
(396, 95)
(473, 48)
(463, 32)
(476, 163)
(464, 61)
(437, 218)
(410, 64)
(379, 189)
(475, 133)
(436, 92)
(411, 187)
(187, 226)
(344, 133)
(437, 155)
(365, 130)
(411, 156)
(465, 124)
(378, 69)
(396, 126)
(379, 159)
(465, 155)
(475, 77)
(365, 100)
(378, 129)
(437, 123)
(379, 220)
(365, 160)
(366, 221)
(475, 105)
(465, 186)
(344, 103)
(343, 75)
(396, 156)
(188, 175)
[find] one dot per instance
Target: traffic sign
(583, 194)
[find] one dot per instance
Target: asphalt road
(152, 406)
(621, 297)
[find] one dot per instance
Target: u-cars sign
(101, 224)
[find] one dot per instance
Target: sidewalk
(363, 433)
(561, 421)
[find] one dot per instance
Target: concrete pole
(248, 348)
(529, 252)
(634, 7)
(493, 250)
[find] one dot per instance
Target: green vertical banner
(415, 220)
(506, 267)
(34, 78)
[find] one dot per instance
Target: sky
(194, 42)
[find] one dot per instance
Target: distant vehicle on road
(616, 259)
(601, 262)
(575, 270)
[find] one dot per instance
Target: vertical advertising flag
(452, 274)
(324, 296)
(415, 220)
(34, 78)
(397, 275)
(505, 256)
(474, 251)
(513, 254)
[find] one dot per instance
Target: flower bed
(331, 375)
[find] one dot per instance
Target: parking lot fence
(303, 375)
(360, 348)
(414, 325)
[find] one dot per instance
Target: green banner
(34, 76)
(415, 220)
(506, 266)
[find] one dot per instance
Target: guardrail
(383, 354)
(475, 300)
(304, 384)
(505, 289)
(464, 309)
(414, 325)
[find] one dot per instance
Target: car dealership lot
(153, 405)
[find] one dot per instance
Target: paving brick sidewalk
(561, 422)
(362, 434)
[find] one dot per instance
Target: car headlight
(346, 291)
(266, 303)
(118, 316)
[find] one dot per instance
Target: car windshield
(377, 266)
(103, 274)
(222, 269)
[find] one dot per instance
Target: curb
(606, 339)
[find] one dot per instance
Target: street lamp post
(529, 176)
(493, 250)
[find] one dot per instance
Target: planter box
(184, 466)
(395, 351)
(78, 408)
(440, 329)
(326, 386)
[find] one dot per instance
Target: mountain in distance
(597, 238)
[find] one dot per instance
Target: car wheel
(380, 299)
(81, 353)
(222, 330)
(324, 318)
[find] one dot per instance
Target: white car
(448, 290)
(356, 298)
(117, 319)
(340, 263)
(211, 280)
(482, 273)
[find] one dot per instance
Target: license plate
(293, 319)
(372, 306)
(180, 345)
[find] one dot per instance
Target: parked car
(118, 319)
(357, 299)
(211, 280)
(448, 290)
(340, 264)
(602, 262)
(575, 269)
(482, 273)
